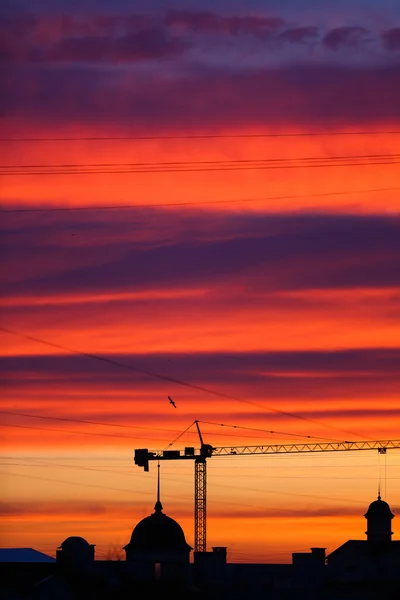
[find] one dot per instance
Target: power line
(220, 485)
(197, 136)
(112, 471)
(52, 480)
(216, 467)
(114, 435)
(43, 463)
(181, 163)
(73, 432)
(19, 414)
(180, 382)
(85, 171)
(196, 202)
(270, 477)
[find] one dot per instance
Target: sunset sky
(207, 196)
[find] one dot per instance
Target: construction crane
(143, 456)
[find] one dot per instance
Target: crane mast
(200, 505)
(200, 498)
(143, 456)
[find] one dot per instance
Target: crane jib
(143, 456)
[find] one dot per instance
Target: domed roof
(158, 532)
(379, 508)
(75, 543)
(75, 552)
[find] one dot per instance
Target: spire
(158, 506)
(379, 490)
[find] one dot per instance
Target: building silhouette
(158, 549)
(379, 522)
(158, 565)
(370, 563)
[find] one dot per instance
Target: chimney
(219, 553)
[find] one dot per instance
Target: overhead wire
(193, 203)
(73, 432)
(102, 423)
(222, 502)
(130, 437)
(81, 484)
(113, 471)
(180, 382)
(112, 435)
(86, 484)
(85, 421)
(191, 163)
(72, 420)
(42, 463)
(120, 171)
(220, 485)
(227, 466)
(39, 461)
(198, 136)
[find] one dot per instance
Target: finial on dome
(158, 506)
(379, 490)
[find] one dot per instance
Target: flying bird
(171, 402)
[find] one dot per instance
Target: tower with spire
(158, 548)
(379, 522)
(371, 563)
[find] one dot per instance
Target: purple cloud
(145, 44)
(149, 44)
(206, 21)
(80, 49)
(299, 35)
(345, 37)
(391, 38)
(114, 37)
(199, 98)
(322, 244)
(360, 373)
(197, 21)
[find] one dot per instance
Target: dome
(380, 509)
(158, 532)
(75, 552)
(75, 543)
